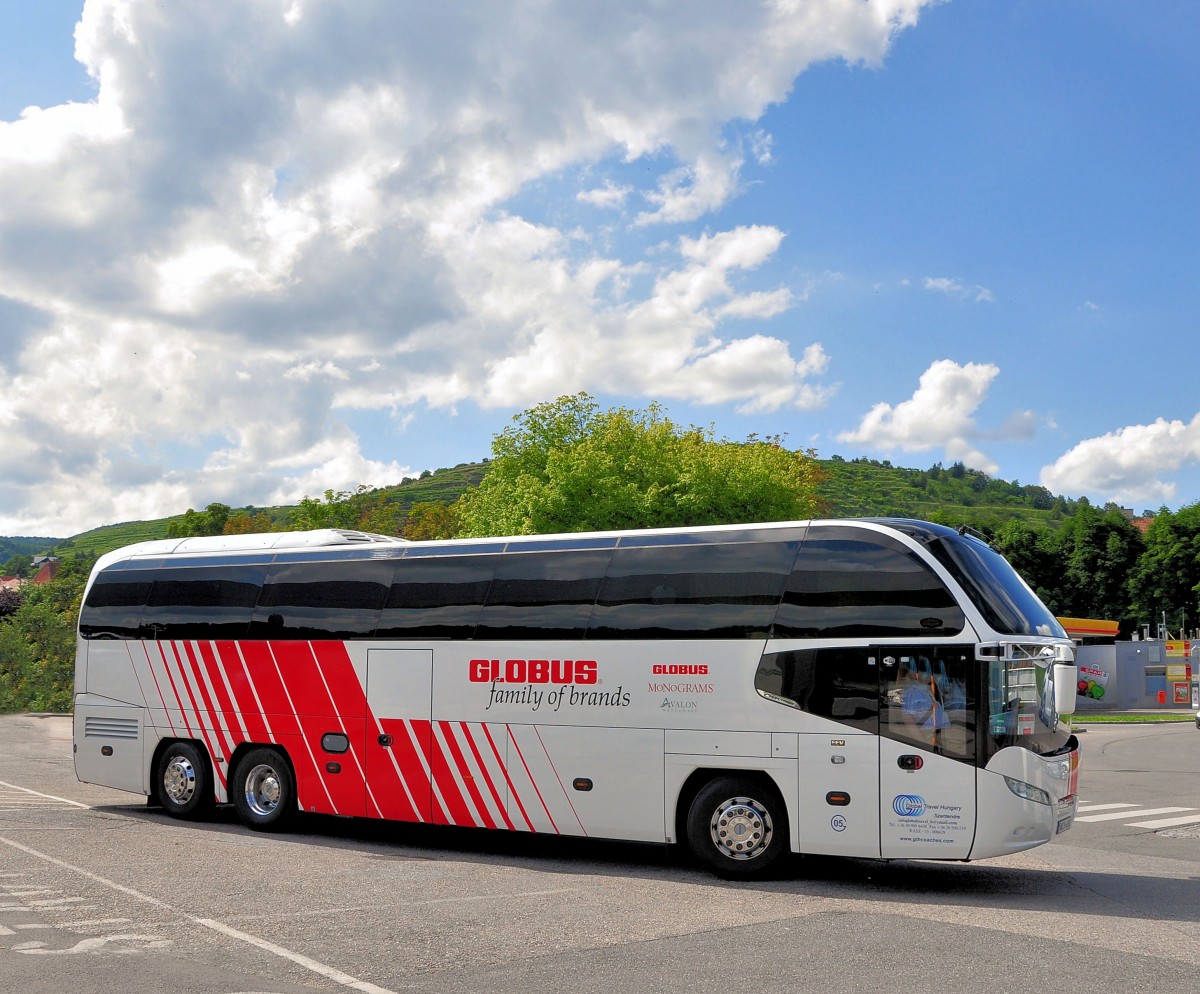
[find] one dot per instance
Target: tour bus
(880, 688)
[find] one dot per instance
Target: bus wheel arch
(735, 822)
(183, 779)
(262, 787)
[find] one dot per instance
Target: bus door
(927, 750)
(398, 735)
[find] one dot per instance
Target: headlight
(1060, 770)
(1027, 791)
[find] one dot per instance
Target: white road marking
(1115, 815)
(329, 972)
(49, 797)
(1167, 822)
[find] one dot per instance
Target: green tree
(243, 523)
(18, 564)
(1034, 554)
(339, 509)
(568, 466)
(210, 521)
(1098, 552)
(1167, 576)
(37, 643)
(430, 520)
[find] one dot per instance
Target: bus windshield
(1002, 597)
(1020, 702)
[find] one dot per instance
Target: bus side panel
(110, 671)
(927, 804)
(598, 782)
(100, 724)
(839, 793)
(109, 715)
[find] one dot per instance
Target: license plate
(1064, 824)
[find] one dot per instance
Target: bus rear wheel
(263, 790)
(183, 781)
(737, 827)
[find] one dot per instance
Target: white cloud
(1127, 465)
(955, 288)
(940, 415)
(275, 214)
(608, 196)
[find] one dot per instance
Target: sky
(253, 251)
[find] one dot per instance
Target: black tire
(183, 781)
(263, 790)
(737, 827)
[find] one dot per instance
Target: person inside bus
(923, 713)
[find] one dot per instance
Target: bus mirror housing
(1066, 677)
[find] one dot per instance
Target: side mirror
(1066, 678)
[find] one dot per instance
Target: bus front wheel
(737, 827)
(183, 781)
(263, 790)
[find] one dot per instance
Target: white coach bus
(868, 687)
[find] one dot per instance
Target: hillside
(957, 495)
(855, 488)
(24, 545)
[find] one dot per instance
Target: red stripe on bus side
(349, 702)
(341, 679)
(209, 712)
(157, 686)
(216, 676)
(309, 709)
(203, 729)
(422, 735)
(467, 774)
(280, 719)
(501, 805)
(162, 652)
(396, 804)
(249, 709)
(533, 783)
(512, 791)
(562, 786)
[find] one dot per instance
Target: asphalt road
(99, 893)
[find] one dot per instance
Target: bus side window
(543, 595)
(438, 597)
(692, 591)
(113, 608)
(929, 698)
(322, 599)
(833, 682)
(202, 602)
(855, 583)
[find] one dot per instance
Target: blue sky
(251, 252)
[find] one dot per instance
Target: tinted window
(693, 591)
(437, 597)
(841, 683)
(202, 602)
(113, 608)
(322, 599)
(542, 595)
(1004, 600)
(928, 697)
(853, 583)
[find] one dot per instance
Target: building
(47, 568)
(1142, 673)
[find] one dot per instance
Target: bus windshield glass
(1021, 707)
(1003, 598)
